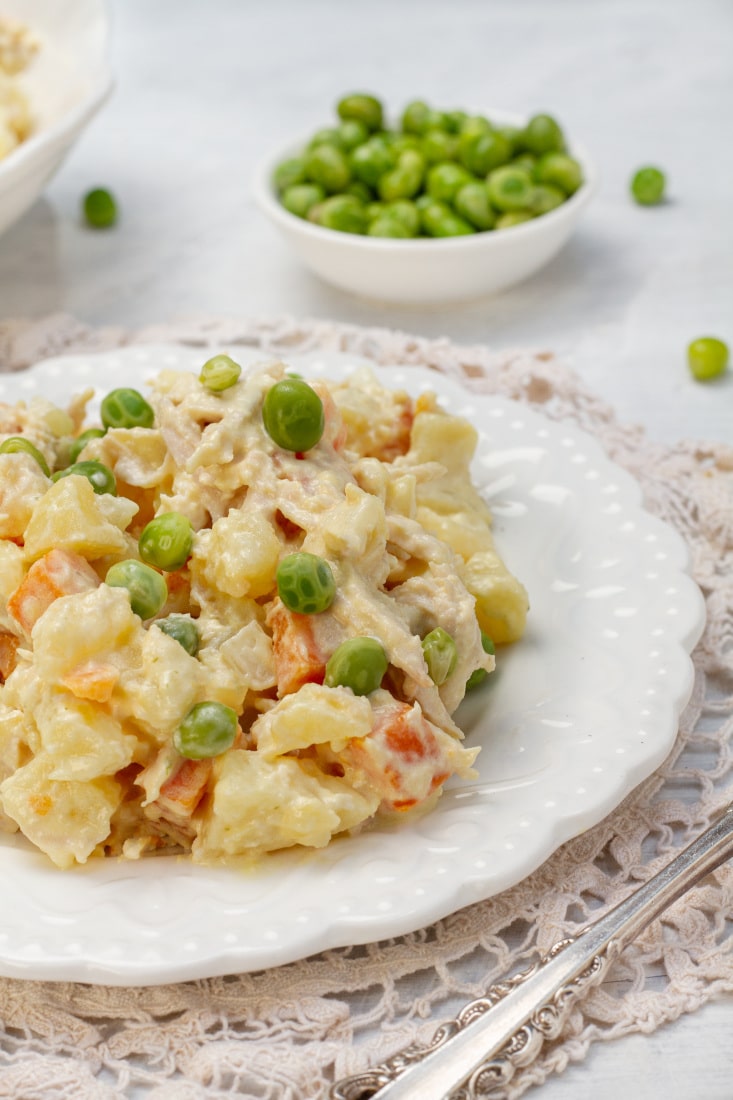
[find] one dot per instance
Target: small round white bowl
(423, 270)
(66, 84)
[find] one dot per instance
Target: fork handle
(477, 1053)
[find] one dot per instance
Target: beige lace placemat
(286, 1034)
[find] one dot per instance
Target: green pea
(386, 226)
(183, 630)
(363, 107)
(707, 357)
(327, 166)
(479, 675)
(81, 441)
(359, 664)
(352, 132)
(219, 373)
(509, 188)
(406, 212)
(415, 117)
(513, 217)
(345, 213)
(436, 120)
(371, 160)
(481, 153)
(439, 145)
(375, 210)
(209, 729)
(545, 198)
(400, 143)
(404, 180)
(18, 444)
(293, 415)
(475, 124)
(126, 408)
(99, 208)
(438, 220)
(444, 181)
(455, 121)
(99, 476)
(327, 136)
(360, 190)
(166, 542)
(542, 134)
(145, 586)
(472, 203)
(513, 135)
(526, 161)
(440, 653)
(648, 186)
(302, 197)
(559, 170)
(289, 173)
(305, 583)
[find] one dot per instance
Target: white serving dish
(67, 83)
(425, 271)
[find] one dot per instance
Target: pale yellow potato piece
(66, 819)
(81, 738)
(136, 455)
(72, 516)
(239, 555)
(451, 508)
(159, 685)
(315, 715)
(14, 739)
(12, 571)
(89, 625)
(22, 484)
(501, 600)
(262, 805)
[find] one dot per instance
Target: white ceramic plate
(579, 712)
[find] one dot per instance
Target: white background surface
(204, 90)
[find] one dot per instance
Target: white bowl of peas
(439, 206)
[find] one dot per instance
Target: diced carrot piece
(181, 793)
(92, 680)
(57, 573)
(8, 648)
(298, 659)
(401, 756)
(171, 813)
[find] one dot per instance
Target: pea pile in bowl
(439, 174)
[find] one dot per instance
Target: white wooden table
(204, 90)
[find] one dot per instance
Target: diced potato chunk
(263, 805)
(239, 555)
(71, 516)
(315, 715)
(66, 819)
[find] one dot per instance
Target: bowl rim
(57, 134)
(268, 202)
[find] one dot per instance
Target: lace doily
(286, 1034)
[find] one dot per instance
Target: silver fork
(475, 1055)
